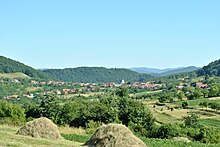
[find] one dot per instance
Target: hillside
(8, 137)
(164, 72)
(181, 70)
(96, 74)
(11, 66)
(13, 75)
(212, 69)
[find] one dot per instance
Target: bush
(185, 104)
(191, 120)
(209, 135)
(168, 131)
(91, 126)
(11, 113)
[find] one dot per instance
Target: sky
(110, 33)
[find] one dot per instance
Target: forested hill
(11, 66)
(212, 69)
(96, 74)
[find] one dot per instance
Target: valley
(156, 109)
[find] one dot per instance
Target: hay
(114, 135)
(40, 128)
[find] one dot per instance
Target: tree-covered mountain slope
(96, 74)
(212, 69)
(11, 66)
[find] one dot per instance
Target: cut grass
(150, 142)
(77, 137)
(164, 118)
(8, 137)
(72, 130)
(13, 75)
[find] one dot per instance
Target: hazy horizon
(112, 34)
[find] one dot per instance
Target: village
(35, 87)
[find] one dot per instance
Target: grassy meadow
(9, 138)
(13, 75)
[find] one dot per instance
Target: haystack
(114, 135)
(40, 128)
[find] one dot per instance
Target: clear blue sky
(110, 33)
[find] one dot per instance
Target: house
(43, 83)
(201, 85)
(58, 92)
(136, 84)
(66, 91)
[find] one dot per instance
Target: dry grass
(182, 139)
(214, 98)
(30, 89)
(40, 128)
(114, 135)
(13, 75)
(178, 113)
(148, 92)
(72, 130)
(9, 138)
(85, 95)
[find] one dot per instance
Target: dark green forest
(96, 75)
(212, 69)
(100, 74)
(11, 66)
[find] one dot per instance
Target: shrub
(168, 131)
(11, 113)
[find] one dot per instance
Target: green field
(165, 115)
(195, 103)
(210, 122)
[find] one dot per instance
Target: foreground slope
(11, 66)
(96, 74)
(8, 137)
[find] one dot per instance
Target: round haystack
(40, 128)
(114, 135)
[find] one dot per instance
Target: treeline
(11, 66)
(96, 75)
